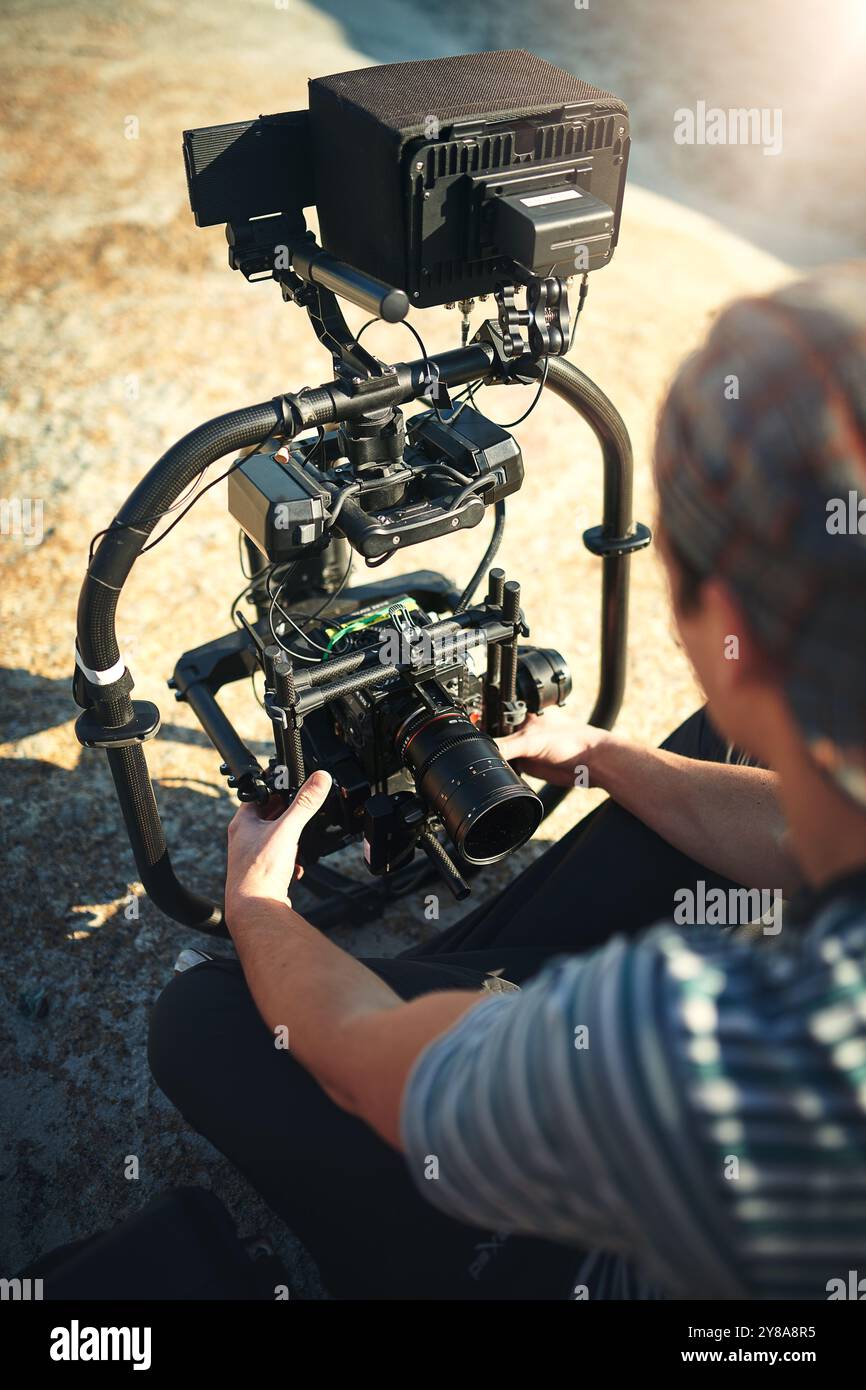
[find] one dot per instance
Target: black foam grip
(147, 838)
(160, 487)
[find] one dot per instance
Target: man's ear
(730, 632)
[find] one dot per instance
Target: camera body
(407, 735)
(410, 747)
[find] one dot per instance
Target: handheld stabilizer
(434, 182)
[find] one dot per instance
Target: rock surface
(123, 329)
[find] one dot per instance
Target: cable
(437, 466)
(308, 617)
(338, 506)
(296, 656)
(475, 486)
(428, 375)
(241, 534)
(262, 577)
(473, 386)
(308, 458)
(207, 487)
(464, 398)
(487, 558)
(275, 603)
(339, 589)
(157, 516)
(334, 594)
(468, 394)
(536, 398)
(581, 300)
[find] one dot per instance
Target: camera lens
(543, 678)
(458, 771)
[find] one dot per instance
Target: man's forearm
(724, 816)
(344, 1025)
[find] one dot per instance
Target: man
(681, 1111)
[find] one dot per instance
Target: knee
(186, 1024)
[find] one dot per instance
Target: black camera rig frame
(363, 388)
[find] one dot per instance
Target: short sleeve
(511, 1120)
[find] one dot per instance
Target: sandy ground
(122, 329)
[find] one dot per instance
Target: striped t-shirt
(687, 1109)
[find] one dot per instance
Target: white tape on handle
(101, 677)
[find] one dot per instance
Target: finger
(510, 744)
(248, 810)
(519, 737)
(310, 799)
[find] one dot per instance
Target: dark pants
(344, 1192)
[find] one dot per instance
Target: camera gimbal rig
(397, 686)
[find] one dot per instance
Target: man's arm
(582, 1109)
(345, 1026)
(724, 816)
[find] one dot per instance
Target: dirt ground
(122, 329)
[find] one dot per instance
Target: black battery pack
(277, 505)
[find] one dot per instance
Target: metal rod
(510, 615)
(221, 732)
(285, 697)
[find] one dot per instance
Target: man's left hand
(263, 844)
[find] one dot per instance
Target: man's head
(761, 475)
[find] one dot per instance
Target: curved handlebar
(109, 705)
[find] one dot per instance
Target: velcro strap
(107, 677)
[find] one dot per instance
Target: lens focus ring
(460, 773)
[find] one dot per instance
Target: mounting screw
(224, 769)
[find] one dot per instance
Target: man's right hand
(557, 747)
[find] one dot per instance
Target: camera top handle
(102, 683)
